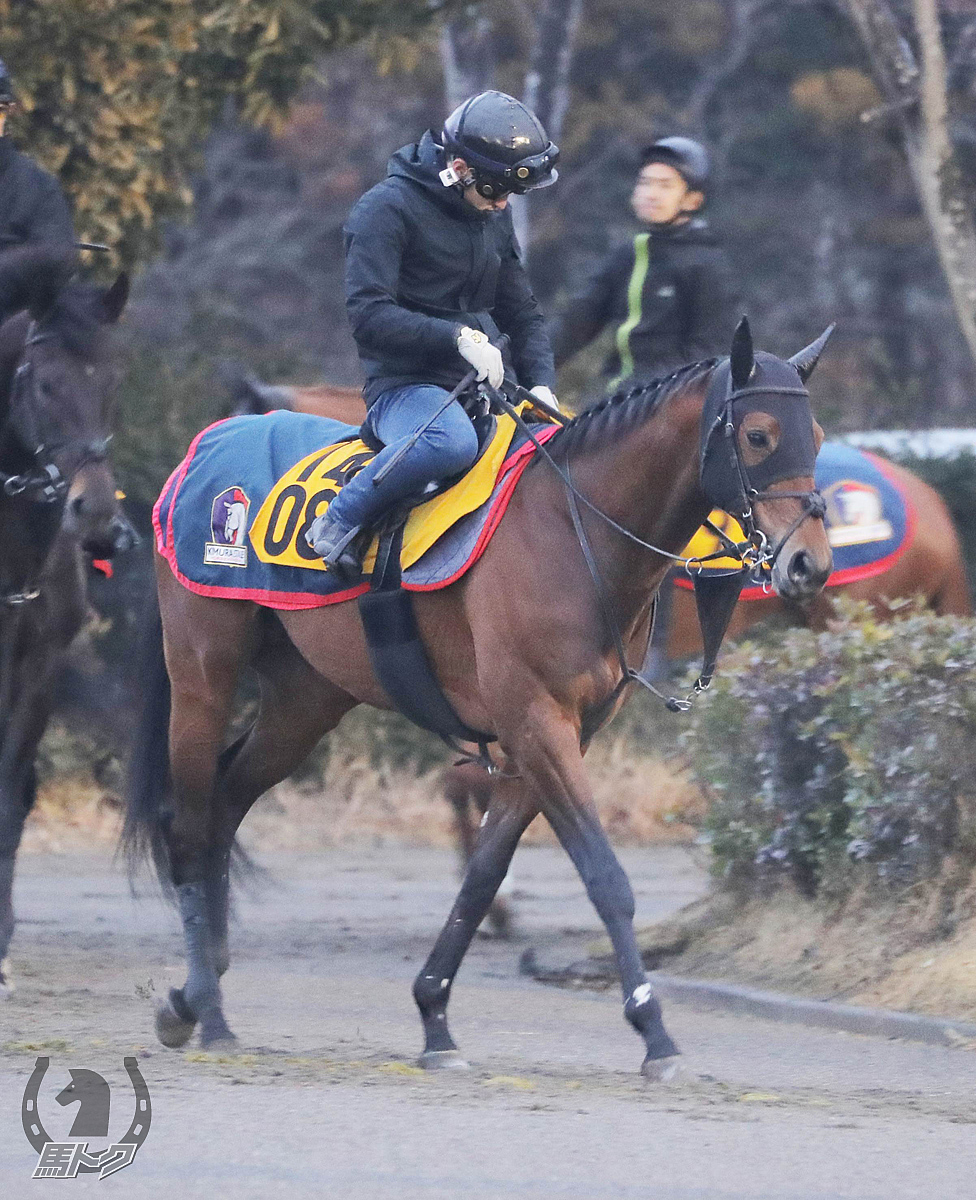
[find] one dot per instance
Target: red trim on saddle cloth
(866, 570)
(513, 466)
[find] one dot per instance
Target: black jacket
(32, 205)
(670, 295)
(420, 263)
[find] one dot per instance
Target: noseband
(43, 482)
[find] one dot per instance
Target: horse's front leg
(510, 812)
(16, 800)
(548, 755)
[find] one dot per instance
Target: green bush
(842, 756)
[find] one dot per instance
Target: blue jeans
(449, 446)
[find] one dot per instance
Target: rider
(670, 291)
(33, 209)
(433, 280)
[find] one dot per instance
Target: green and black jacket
(670, 296)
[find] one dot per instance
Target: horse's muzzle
(800, 574)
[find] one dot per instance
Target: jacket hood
(421, 163)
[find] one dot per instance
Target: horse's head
(758, 453)
(59, 408)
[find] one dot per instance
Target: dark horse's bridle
(43, 482)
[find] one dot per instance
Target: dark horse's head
(56, 383)
(759, 443)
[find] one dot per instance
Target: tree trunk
(938, 177)
(547, 86)
(467, 57)
(917, 94)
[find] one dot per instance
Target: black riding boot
(339, 546)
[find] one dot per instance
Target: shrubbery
(843, 756)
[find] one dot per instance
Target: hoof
(7, 988)
(501, 919)
(223, 1043)
(174, 1025)
(662, 1070)
(442, 1060)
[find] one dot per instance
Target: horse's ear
(806, 360)
(741, 356)
(115, 299)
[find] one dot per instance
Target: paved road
(553, 1106)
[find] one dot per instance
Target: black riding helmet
(7, 93)
(503, 143)
(688, 157)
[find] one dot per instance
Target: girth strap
(399, 657)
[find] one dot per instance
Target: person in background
(33, 210)
(669, 293)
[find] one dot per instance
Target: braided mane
(618, 413)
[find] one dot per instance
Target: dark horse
(58, 506)
(521, 646)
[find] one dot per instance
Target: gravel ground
(324, 1098)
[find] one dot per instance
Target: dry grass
(641, 799)
(916, 954)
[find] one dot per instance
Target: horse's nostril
(77, 504)
(800, 567)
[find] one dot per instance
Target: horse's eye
(757, 439)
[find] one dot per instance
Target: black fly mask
(752, 382)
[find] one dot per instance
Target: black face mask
(773, 386)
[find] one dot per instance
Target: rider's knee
(456, 443)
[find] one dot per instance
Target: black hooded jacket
(670, 295)
(421, 262)
(32, 206)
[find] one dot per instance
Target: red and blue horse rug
(870, 522)
(232, 518)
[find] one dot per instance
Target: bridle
(754, 554)
(43, 482)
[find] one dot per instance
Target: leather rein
(753, 553)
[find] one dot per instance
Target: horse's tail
(148, 805)
(148, 790)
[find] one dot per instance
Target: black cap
(688, 157)
(503, 143)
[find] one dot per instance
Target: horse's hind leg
(297, 707)
(206, 641)
(510, 812)
(468, 785)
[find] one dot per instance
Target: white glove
(486, 359)
(545, 396)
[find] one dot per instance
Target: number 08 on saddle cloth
(232, 518)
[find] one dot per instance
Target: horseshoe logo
(38, 1136)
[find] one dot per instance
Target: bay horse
(58, 507)
(525, 646)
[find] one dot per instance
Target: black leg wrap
(643, 1011)
(431, 996)
(201, 992)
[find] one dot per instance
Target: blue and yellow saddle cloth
(232, 518)
(869, 522)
